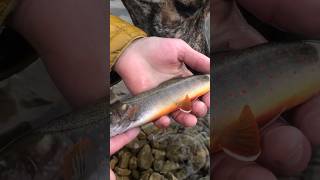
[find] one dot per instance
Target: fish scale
(257, 84)
(151, 105)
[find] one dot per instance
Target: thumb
(117, 142)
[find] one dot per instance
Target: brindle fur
(184, 19)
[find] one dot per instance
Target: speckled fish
(148, 106)
(71, 147)
(254, 86)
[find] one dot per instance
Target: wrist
(123, 63)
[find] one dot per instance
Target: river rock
(145, 157)
(158, 154)
(122, 172)
(142, 136)
(133, 163)
(158, 165)
(170, 176)
(178, 152)
(135, 145)
(149, 128)
(113, 162)
(146, 174)
(123, 178)
(170, 166)
(182, 174)
(124, 160)
(135, 174)
(159, 144)
(156, 176)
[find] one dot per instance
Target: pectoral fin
(241, 139)
(185, 105)
(79, 161)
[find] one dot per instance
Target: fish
(254, 86)
(70, 146)
(177, 93)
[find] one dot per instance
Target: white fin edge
(184, 110)
(241, 158)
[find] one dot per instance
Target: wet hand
(286, 144)
(147, 62)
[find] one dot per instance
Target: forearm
(294, 16)
(71, 38)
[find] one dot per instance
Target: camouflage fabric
(6, 6)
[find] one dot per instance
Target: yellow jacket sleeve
(121, 35)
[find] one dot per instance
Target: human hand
(117, 142)
(147, 62)
(286, 145)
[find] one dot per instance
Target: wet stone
(145, 157)
(135, 145)
(159, 144)
(202, 156)
(156, 176)
(121, 152)
(133, 163)
(142, 136)
(149, 129)
(158, 154)
(170, 166)
(113, 162)
(178, 152)
(123, 178)
(135, 174)
(182, 174)
(170, 176)
(158, 165)
(122, 172)
(124, 160)
(145, 175)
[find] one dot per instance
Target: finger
(185, 119)
(307, 119)
(231, 169)
(206, 99)
(117, 142)
(163, 122)
(285, 150)
(228, 17)
(112, 175)
(199, 108)
(194, 59)
(291, 16)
